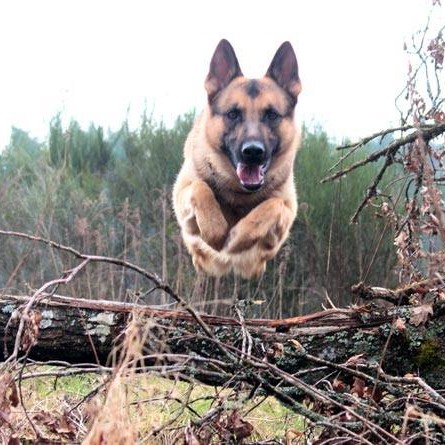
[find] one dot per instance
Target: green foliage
(20, 156)
(110, 195)
(149, 158)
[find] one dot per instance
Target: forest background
(109, 194)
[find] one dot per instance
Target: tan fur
(224, 227)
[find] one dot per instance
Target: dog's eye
(234, 114)
(271, 115)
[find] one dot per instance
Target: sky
(105, 61)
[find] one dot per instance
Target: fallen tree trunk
(403, 340)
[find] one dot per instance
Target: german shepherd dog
(235, 197)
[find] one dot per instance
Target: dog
(234, 197)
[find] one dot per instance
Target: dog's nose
(253, 150)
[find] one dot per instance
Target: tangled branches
(415, 151)
(350, 375)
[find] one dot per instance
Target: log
(403, 340)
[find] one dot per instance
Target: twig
(381, 134)
(415, 381)
(247, 338)
(371, 192)
(427, 133)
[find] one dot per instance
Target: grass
(150, 402)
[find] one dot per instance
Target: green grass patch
(152, 402)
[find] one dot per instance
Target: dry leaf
(374, 393)
(297, 345)
(258, 302)
(421, 314)
(400, 240)
(412, 412)
(399, 325)
(291, 435)
(358, 387)
(236, 426)
(338, 385)
(240, 427)
(358, 359)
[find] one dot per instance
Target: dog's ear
(224, 67)
(284, 70)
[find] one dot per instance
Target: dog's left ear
(284, 70)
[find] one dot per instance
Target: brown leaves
(31, 331)
(14, 395)
(420, 231)
(356, 386)
(50, 425)
(60, 425)
(436, 51)
(408, 248)
(296, 345)
(236, 426)
(230, 427)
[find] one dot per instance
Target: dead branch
(400, 296)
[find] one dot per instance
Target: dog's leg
(203, 214)
(257, 237)
(204, 227)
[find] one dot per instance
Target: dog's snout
(253, 150)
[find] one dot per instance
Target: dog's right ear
(224, 67)
(284, 70)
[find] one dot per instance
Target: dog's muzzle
(252, 165)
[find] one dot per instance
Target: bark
(405, 340)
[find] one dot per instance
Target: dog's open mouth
(251, 176)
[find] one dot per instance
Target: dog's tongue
(250, 175)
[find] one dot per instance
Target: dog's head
(252, 118)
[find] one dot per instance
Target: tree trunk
(404, 340)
